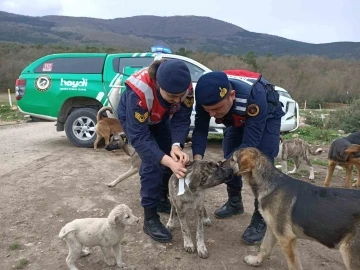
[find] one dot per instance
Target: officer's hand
(178, 169)
(178, 155)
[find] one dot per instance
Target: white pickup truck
(289, 122)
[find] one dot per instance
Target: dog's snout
(111, 146)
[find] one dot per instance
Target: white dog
(80, 234)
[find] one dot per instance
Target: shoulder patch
(141, 117)
(253, 110)
(189, 101)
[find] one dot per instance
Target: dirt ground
(47, 182)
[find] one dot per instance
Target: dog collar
(182, 183)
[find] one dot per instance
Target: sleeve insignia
(253, 110)
(223, 91)
(189, 101)
(141, 117)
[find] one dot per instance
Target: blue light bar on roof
(161, 49)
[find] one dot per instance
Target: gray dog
(201, 175)
(118, 142)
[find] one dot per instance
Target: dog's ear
(236, 155)
(123, 136)
(225, 163)
(246, 161)
(194, 182)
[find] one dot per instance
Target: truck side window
(79, 65)
(129, 65)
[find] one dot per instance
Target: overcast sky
(314, 21)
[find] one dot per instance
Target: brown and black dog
(295, 209)
(344, 152)
(105, 127)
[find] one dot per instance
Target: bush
(314, 120)
(347, 119)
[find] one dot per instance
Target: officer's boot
(233, 206)
(153, 226)
(255, 232)
(164, 206)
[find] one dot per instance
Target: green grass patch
(215, 138)
(314, 135)
(21, 263)
(8, 114)
(14, 246)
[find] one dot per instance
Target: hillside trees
(311, 78)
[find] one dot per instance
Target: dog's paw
(290, 172)
(122, 265)
(110, 261)
(355, 185)
(202, 252)
(252, 260)
(110, 185)
(97, 150)
(207, 221)
(189, 247)
(170, 225)
(311, 177)
(85, 252)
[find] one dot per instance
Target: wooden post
(10, 102)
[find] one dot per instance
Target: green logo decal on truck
(73, 85)
(43, 83)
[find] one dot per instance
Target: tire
(80, 127)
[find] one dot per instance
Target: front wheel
(80, 127)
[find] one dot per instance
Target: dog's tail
(317, 151)
(103, 109)
(353, 149)
(65, 232)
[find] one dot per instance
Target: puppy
(341, 154)
(105, 127)
(294, 209)
(297, 150)
(118, 142)
(201, 175)
(80, 234)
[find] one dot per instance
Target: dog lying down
(201, 175)
(294, 209)
(80, 234)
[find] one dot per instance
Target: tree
(250, 59)
(182, 51)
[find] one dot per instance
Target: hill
(141, 32)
